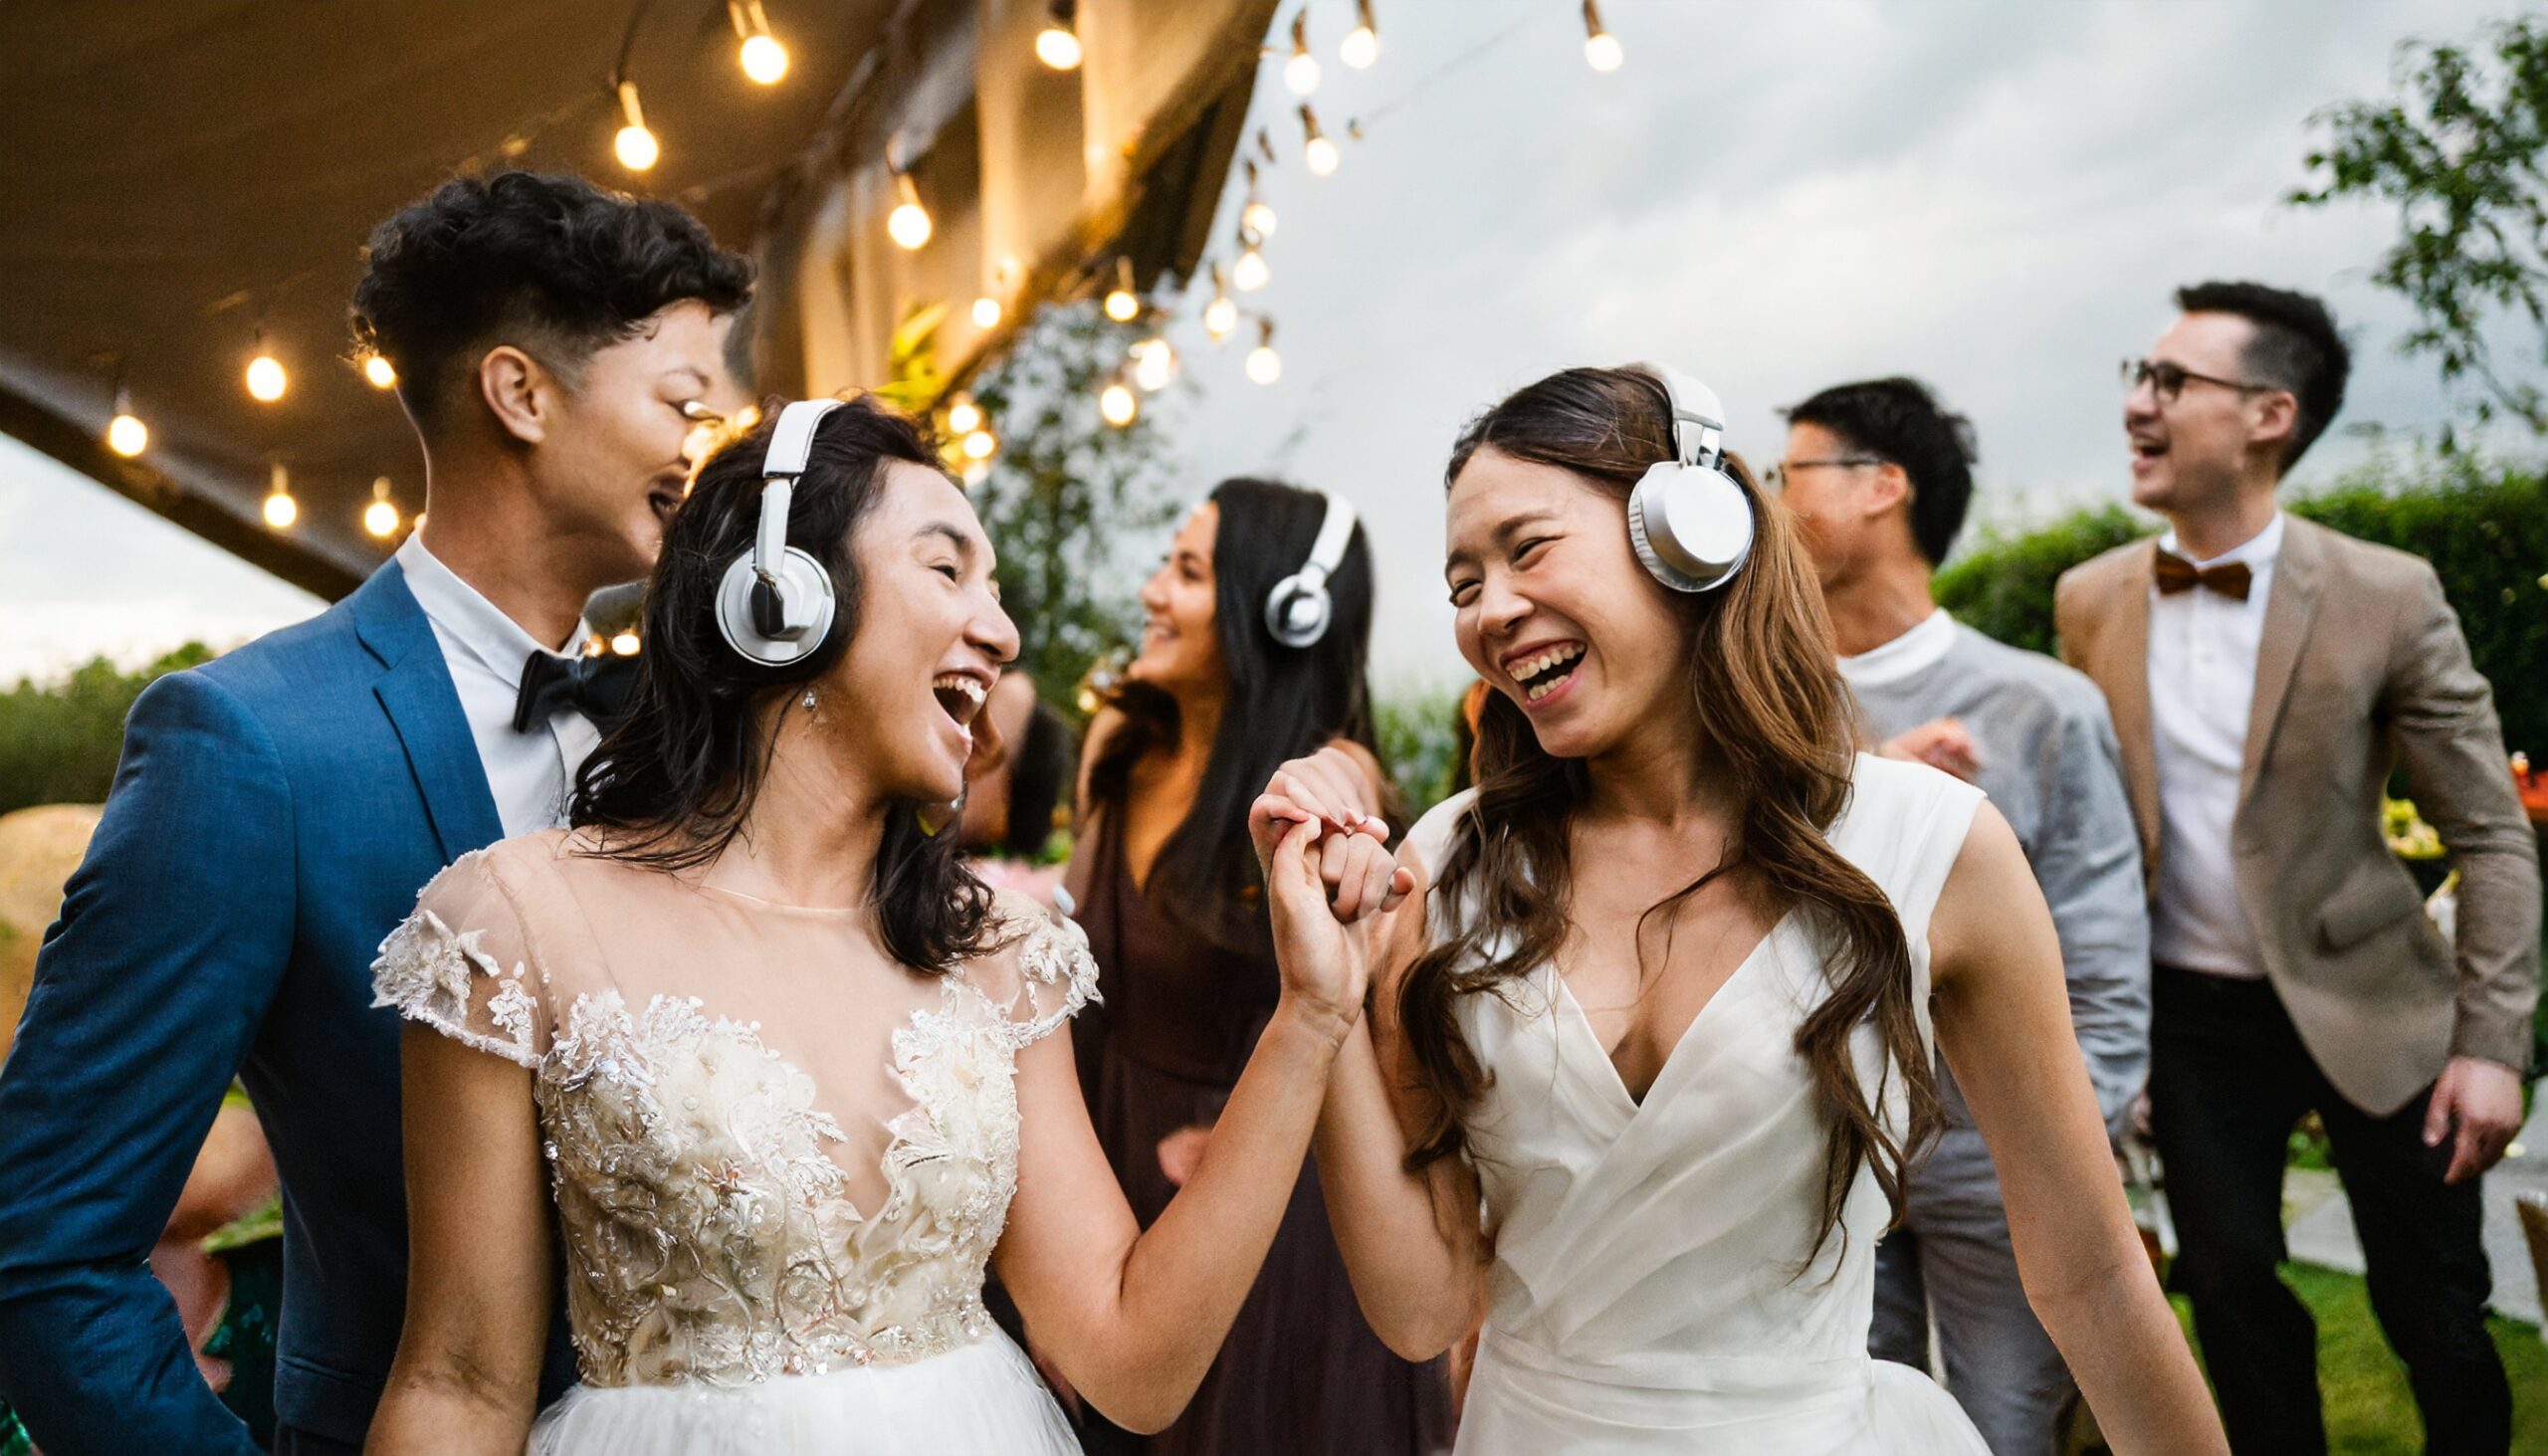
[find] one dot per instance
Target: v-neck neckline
(1618, 1083)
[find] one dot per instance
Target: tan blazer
(2361, 667)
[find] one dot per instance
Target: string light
(765, 59)
(1057, 45)
(127, 435)
(1301, 72)
(964, 416)
(1251, 273)
(266, 377)
(625, 643)
(280, 510)
(1122, 304)
(1118, 404)
(1154, 364)
(979, 445)
(1363, 42)
(1258, 215)
(1264, 366)
(986, 312)
(1320, 152)
(1602, 50)
(635, 147)
(908, 221)
(1221, 315)
(380, 518)
(383, 374)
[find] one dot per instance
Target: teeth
(1540, 663)
(970, 687)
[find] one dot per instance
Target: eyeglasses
(1775, 477)
(2168, 380)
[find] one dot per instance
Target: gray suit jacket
(2361, 668)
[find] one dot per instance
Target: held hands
(1327, 869)
(2481, 1100)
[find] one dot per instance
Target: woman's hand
(1317, 941)
(1330, 787)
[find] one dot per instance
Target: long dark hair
(1283, 703)
(1775, 721)
(676, 778)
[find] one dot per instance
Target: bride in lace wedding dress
(772, 1076)
(1647, 1060)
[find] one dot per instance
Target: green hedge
(59, 743)
(2483, 527)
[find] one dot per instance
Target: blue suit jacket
(273, 817)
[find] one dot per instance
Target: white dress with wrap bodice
(1655, 1285)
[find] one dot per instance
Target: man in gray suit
(1878, 475)
(2266, 674)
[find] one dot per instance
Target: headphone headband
(1698, 420)
(1689, 521)
(1297, 610)
(775, 602)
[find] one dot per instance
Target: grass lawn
(2369, 1412)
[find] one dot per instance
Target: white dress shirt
(2202, 681)
(530, 774)
(1912, 653)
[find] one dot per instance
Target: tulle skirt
(982, 1398)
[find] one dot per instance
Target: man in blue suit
(276, 810)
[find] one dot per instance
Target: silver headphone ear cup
(1690, 524)
(803, 582)
(1297, 614)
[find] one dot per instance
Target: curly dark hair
(548, 263)
(676, 778)
(1901, 421)
(2296, 348)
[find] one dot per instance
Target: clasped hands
(1327, 871)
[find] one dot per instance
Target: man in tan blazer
(2265, 676)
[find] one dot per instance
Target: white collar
(1914, 651)
(497, 642)
(2257, 551)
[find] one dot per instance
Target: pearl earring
(809, 700)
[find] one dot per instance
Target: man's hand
(1943, 743)
(2482, 1101)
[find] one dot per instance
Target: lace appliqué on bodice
(707, 1231)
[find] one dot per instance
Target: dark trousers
(2228, 1077)
(289, 1442)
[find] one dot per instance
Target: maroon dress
(1301, 1371)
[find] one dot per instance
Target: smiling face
(1180, 617)
(1554, 612)
(611, 469)
(2189, 453)
(930, 643)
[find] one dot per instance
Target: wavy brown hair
(1776, 723)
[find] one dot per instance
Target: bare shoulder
(1990, 883)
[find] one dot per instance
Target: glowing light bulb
(1363, 42)
(1121, 306)
(634, 146)
(1251, 272)
(1602, 50)
(280, 510)
(1264, 366)
(127, 435)
(1301, 72)
(1219, 315)
(1118, 404)
(266, 377)
(979, 444)
(1320, 152)
(1258, 218)
(625, 644)
(380, 518)
(964, 416)
(1154, 364)
(1056, 45)
(986, 312)
(908, 222)
(381, 373)
(765, 59)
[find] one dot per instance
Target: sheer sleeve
(463, 964)
(1042, 976)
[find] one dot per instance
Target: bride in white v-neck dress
(1665, 776)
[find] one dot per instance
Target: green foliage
(1417, 732)
(2460, 155)
(2484, 526)
(59, 743)
(1074, 504)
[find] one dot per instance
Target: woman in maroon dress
(1167, 889)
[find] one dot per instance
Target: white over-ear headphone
(775, 602)
(1690, 522)
(1297, 610)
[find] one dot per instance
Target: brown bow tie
(2175, 574)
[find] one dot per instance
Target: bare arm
(2004, 1022)
(467, 1376)
(1133, 1318)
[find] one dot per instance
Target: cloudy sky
(1996, 197)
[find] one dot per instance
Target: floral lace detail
(425, 971)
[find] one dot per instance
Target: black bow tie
(596, 687)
